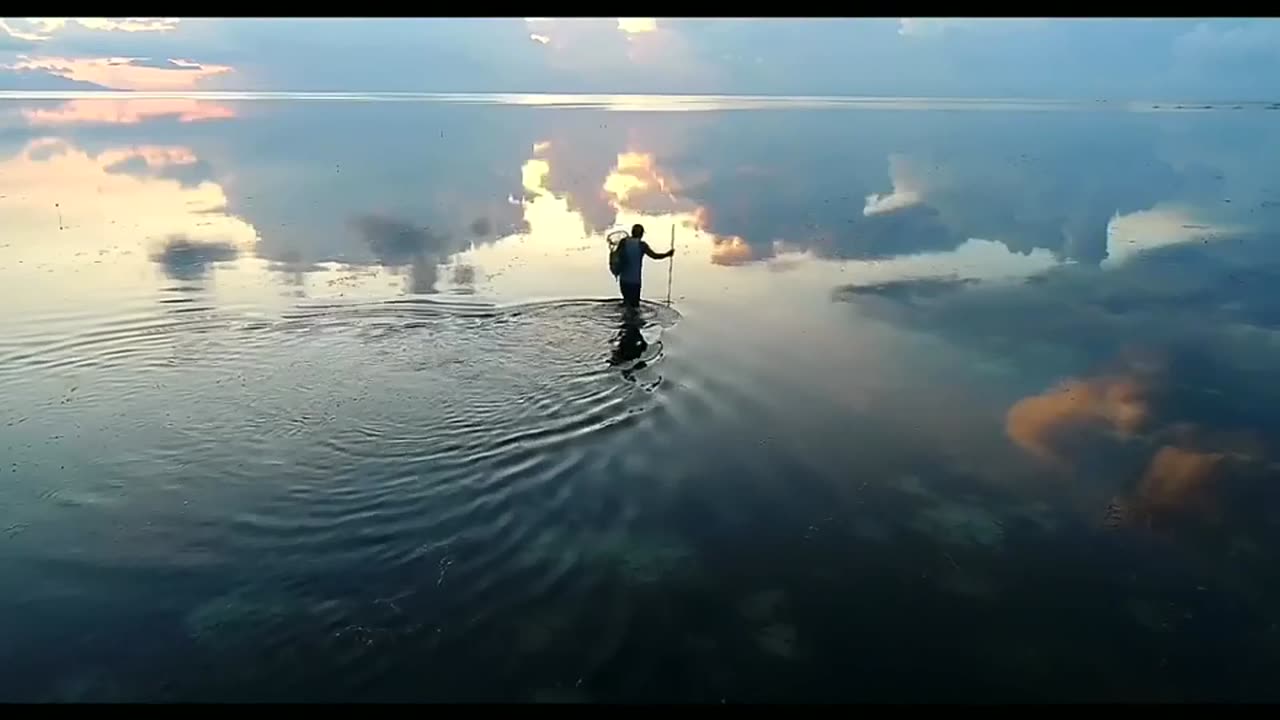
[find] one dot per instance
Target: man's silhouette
(633, 249)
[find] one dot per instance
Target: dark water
(320, 399)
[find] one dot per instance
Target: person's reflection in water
(629, 343)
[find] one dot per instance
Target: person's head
(637, 231)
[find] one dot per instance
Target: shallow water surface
(320, 398)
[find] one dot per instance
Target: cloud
(15, 31)
(126, 111)
(464, 274)
(481, 227)
(586, 54)
(731, 251)
(172, 163)
(1179, 480)
(151, 156)
(131, 25)
(934, 27)
(909, 289)
(1132, 234)
(905, 190)
(159, 63)
(293, 268)
(898, 199)
(1144, 405)
(930, 57)
(12, 78)
(42, 29)
(635, 26)
(636, 183)
(15, 40)
(920, 27)
(1045, 425)
(183, 258)
(134, 224)
(395, 243)
(813, 196)
(1201, 315)
(121, 74)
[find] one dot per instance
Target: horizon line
(649, 101)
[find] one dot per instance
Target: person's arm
(656, 255)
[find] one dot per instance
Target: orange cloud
(626, 178)
(1180, 481)
(726, 250)
(119, 73)
(1184, 479)
(127, 112)
(633, 174)
(1119, 404)
(730, 251)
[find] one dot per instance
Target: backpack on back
(617, 258)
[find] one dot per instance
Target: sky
(1210, 60)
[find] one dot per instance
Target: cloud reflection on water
(126, 112)
(184, 259)
(980, 337)
(818, 189)
(819, 193)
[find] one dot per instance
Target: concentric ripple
(410, 439)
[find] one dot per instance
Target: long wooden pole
(671, 264)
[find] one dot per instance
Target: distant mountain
(42, 80)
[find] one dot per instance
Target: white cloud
(41, 29)
(1135, 233)
(898, 199)
(634, 26)
(917, 27)
(906, 190)
(14, 31)
(975, 259)
(930, 27)
(137, 24)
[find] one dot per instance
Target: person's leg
(631, 295)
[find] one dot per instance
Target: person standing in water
(633, 249)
